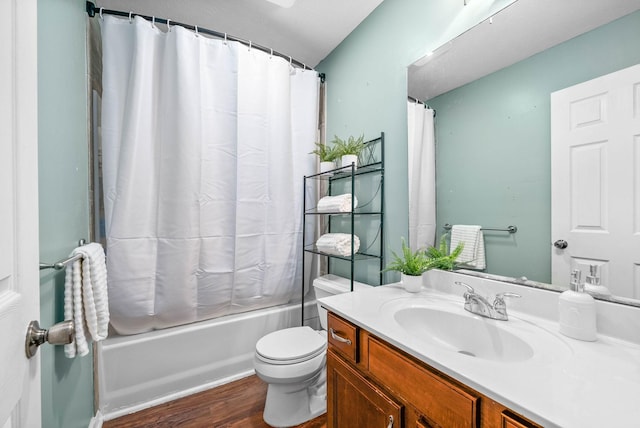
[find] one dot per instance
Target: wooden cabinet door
(354, 402)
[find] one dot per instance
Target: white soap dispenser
(592, 284)
(577, 311)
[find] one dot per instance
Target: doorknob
(561, 244)
(59, 334)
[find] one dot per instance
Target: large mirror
(491, 88)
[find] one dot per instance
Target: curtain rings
(153, 22)
(197, 34)
(130, 17)
(168, 24)
(225, 38)
(101, 17)
(249, 45)
(271, 55)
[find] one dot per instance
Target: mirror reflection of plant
(325, 152)
(417, 262)
(439, 258)
(350, 146)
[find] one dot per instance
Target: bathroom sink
(464, 333)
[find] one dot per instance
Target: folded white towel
(338, 244)
(85, 298)
(472, 255)
(337, 203)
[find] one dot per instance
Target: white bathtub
(144, 370)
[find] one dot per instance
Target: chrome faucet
(476, 304)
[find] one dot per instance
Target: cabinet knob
(390, 425)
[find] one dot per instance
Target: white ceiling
(519, 31)
(308, 30)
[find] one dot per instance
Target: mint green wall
(367, 84)
(67, 384)
(493, 145)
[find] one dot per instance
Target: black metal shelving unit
(370, 210)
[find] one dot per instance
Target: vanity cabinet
(373, 384)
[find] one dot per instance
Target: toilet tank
(329, 285)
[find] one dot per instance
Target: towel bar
(59, 265)
(510, 229)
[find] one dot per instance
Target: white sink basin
(464, 334)
(444, 325)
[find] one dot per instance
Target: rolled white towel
(337, 203)
(338, 244)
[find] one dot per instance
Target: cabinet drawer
(510, 420)
(440, 401)
(342, 337)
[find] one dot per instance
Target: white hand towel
(85, 298)
(338, 244)
(473, 253)
(337, 203)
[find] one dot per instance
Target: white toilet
(293, 362)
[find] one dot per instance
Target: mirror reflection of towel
(472, 255)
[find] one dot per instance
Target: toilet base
(288, 405)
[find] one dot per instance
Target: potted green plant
(348, 150)
(411, 265)
(327, 155)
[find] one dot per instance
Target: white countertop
(574, 384)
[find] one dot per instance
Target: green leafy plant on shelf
(325, 152)
(350, 146)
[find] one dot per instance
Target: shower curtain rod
(417, 101)
(92, 10)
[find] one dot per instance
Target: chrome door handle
(59, 334)
(339, 338)
(561, 244)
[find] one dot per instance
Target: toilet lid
(291, 345)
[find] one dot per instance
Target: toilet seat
(291, 346)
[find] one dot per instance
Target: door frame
(19, 110)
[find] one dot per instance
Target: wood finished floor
(236, 405)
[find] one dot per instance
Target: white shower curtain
(422, 176)
(205, 144)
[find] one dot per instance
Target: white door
(595, 175)
(19, 278)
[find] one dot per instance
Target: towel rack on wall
(510, 229)
(59, 265)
